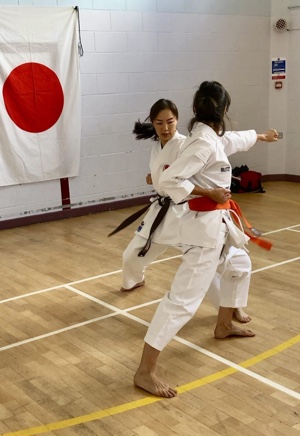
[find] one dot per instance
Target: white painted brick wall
(293, 111)
(136, 52)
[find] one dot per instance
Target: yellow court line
(151, 399)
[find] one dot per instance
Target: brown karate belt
(205, 204)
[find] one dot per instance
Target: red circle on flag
(33, 97)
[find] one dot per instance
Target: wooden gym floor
(70, 341)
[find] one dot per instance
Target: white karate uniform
(200, 235)
(135, 266)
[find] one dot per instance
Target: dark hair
(145, 130)
(210, 104)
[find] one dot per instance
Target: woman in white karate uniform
(201, 166)
(163, 130)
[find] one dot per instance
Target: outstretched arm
(234, 142)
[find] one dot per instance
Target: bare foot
(224, 331)
(150, 383)
(241, 316)
(137, 285)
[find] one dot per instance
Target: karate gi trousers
(134, 267)
(225, 265)
(236, 260)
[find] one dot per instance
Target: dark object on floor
(245, 180)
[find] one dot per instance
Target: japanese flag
(39, 94)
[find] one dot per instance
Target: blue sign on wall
(278, 68)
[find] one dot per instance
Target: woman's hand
(269, 136)
(219, 195)
(149, 179)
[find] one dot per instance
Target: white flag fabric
(40, 94)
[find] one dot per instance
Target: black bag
(245, 180)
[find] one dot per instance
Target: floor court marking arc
(101, 414)
(233, 368)
(184, 388)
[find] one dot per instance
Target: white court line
(239, 368)
(275, 265)
(30, 294)
(53, 288)
(115, 310)
(107, 305)
(125, 313)
(281, 230)
(189, 344)
(56, 332)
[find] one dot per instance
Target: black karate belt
(131, 219)
(164, 202)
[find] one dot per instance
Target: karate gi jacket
(202, 160)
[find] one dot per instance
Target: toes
(249, 333)
(166, 391)
(137, 285)
(244, 333)
(171, 393)
(244, 319)
(154, 386)
(234, 331)
(241, 316)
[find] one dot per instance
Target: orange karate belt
(205, 204)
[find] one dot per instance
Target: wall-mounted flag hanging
(39, 94)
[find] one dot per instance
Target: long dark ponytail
(210, 104)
